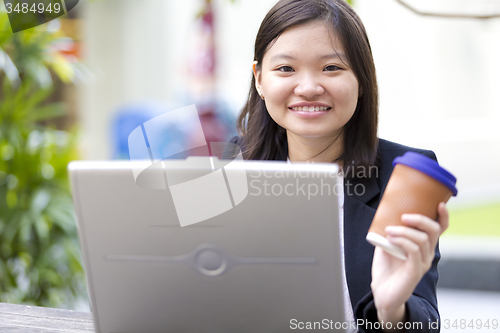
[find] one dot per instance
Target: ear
(257, 75)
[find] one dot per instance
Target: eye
(285, 69)
(332, 68)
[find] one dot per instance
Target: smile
(311, 108)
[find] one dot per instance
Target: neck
(318, 150)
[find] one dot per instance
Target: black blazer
(359, 209)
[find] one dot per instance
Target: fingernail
(389, 229)
(407, 218)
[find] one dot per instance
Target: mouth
(310, 108)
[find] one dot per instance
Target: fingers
(415, 242)
(425, 224)
(409, 246)
(419, 235)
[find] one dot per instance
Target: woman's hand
(393, 279)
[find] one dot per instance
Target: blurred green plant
(40, 261)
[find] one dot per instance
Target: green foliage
(33, 53)
(40, 261)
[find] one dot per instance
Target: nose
(309, 86)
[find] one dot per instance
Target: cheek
(276, 89)
(346, 92)
(276, 92)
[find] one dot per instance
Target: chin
(312, 135)
(313, 132)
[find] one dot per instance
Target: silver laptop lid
(222, 246)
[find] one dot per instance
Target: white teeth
(310, 108)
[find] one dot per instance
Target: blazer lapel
(358, 253)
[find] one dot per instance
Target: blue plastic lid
(428, 166)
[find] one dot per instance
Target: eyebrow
(338, 55)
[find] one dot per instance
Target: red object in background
(203, 73)
(212, 128)
(208, 27)
(74, 50)
(202, 66)
(203, 62)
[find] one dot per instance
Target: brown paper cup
(408, 191)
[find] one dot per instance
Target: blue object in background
(218, 123)
(125, 121)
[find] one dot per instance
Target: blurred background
(76, 87)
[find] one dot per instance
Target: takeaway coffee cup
(417, 185)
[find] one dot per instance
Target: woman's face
(308, 89)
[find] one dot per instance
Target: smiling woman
(319, 52)
(314, 98)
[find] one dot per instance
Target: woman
(314, 97)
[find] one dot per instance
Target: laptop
(209, 245)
